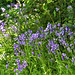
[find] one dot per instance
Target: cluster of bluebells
(21, 39)
(20, 67)
(13, 28)
(2, 24)
(7, 15)
(58, 37)
(52, 45)
(18, 50)
(61, 34)
(2, 28)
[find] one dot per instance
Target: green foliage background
(46, 10)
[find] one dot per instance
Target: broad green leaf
(49, 1)
(71, 1)
(28, 1)
(9, 0)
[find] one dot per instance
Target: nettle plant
(30, 49)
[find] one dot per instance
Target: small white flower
(57, 9)
(7, 56)
(24, 4)
(2, 14)
(14, 64)
(35, 9)
(3, 9)
(8, 5)
(0, 21)
(2, 56)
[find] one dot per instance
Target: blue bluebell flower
(69, 7)
(58, 24)
(15, 46)
(64, 55)
(68, 49)
(12, 4)
(42, 35)
(30, 32)
(67, 66)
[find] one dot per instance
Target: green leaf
(54, 13)
(2, 72)
(9, 0)
(49, 1)
(71, 1)
(44, 6)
